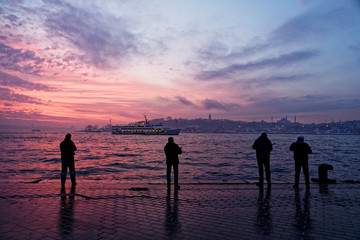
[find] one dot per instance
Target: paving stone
(197, 211)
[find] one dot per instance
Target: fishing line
(158, 164)
(150, 177)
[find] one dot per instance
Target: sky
(73, 63)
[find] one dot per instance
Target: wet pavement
(111, 210)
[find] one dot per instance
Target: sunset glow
(73, 63)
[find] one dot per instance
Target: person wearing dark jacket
(172, 150)
(263, 147)
(301, 150)
(67, 148)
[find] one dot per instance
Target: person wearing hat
(67, 148)
(263, 147)
(301, 150)
(172, 150)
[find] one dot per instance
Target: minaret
(209, 116)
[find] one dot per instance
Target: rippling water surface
(206, 157)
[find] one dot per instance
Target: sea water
(206, 157)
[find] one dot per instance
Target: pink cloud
(24, 61)
(9, 95)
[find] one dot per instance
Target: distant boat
(93, 130)
(36, 130)
(144, 128)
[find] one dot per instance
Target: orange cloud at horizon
(67, 63)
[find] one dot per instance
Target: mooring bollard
(323, 174)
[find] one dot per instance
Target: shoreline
(96, 210)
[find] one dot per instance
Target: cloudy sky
(74, 63)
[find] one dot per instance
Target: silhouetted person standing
(263, 147)
(301, 151)
(67, 148)
(172, 150)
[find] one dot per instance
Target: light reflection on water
(215, 157)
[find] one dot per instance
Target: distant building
(284, 121)
(209, 116)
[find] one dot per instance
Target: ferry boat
(144, 128)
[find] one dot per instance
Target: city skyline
(66, 63)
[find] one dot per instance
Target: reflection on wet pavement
(198, 211)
